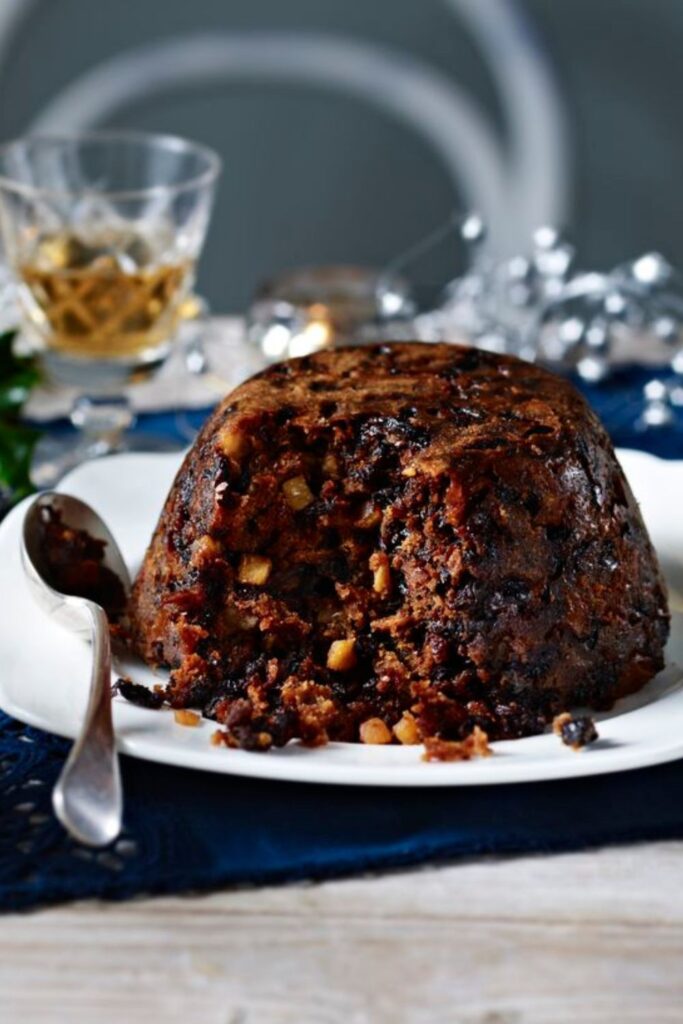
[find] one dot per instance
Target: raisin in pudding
(399, 543)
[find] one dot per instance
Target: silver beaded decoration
(540, 307)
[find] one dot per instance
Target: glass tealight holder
(314, 308)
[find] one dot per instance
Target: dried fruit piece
(138, 694)
(375, 731)
(254, 569)
(575, 732)
(342, 655)
(297, 493)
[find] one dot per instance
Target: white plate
(44, 670)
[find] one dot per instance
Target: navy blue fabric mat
(188, 830)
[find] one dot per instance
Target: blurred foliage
(18, 375)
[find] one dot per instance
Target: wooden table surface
(593, 937)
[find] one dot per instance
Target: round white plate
(44, 670)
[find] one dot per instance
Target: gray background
(314, 176)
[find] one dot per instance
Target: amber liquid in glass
(102, 296)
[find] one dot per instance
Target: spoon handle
(87, 798)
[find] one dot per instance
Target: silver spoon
(87, 798)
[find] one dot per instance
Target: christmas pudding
(395, 544)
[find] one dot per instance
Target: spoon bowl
(66, 609)
(87, 798)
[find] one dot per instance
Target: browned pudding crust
(405, 528)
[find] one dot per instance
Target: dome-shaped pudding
(429, 535)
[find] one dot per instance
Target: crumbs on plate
(575, 731)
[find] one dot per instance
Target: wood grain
(595, 937)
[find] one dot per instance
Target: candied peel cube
(342, 655)
(205, 550)
(184, 717)
(381, 573)
(406, 731)
(297, 493)
(254, 569)
(233, 442)
(375, 731)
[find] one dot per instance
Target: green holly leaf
(16, 450)
(18, 375)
